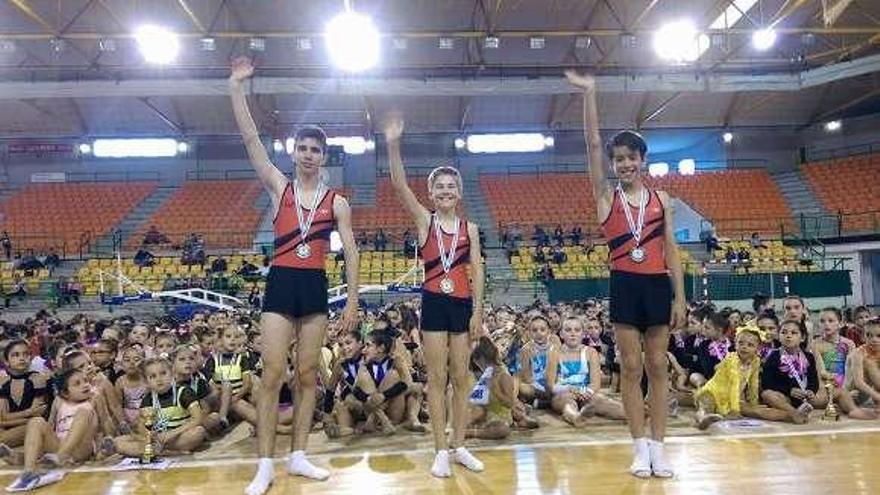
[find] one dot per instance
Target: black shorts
(295, 292)
(442, 313)
(639, 300)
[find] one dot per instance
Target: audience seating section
(848, 186)
(388, 213)
(223, 211)
(774, 257)
(8, 275)
(580, 263)
(41, 216)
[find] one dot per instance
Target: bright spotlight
(278, 146)
(158, 45)
(352, 41)
(459, 143)
(764, 39)
(85, 148)
(370, 145)
(680, 41)
(658, 169)
(833, 126)
(687, 166)
(182, 147)
(549, 141)
(727, 137)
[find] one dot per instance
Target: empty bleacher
(848, 186)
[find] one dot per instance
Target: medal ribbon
(446, 257)
(305, 226)
(634, 228)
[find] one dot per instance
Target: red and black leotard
(621, 242)
(288, 235)
(461, 260)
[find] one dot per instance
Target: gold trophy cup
(831, 412)
(148, 415)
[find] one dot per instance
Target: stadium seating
(738, 202)
(223, 211)
(41, 216)
(848, 186)
(388, 213)
(773, 258)
(578, 264)
(31, 279)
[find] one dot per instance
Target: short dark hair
(631, 139)
(313, 132)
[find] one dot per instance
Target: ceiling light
(446, 43)
(207, 44)
(85, 148)
(507, 143)
(353, 41)
(107, 45)
(459, 143)
(658, 169)
(7, 46)
(303, 44)
(128, 148)
(257, 44)
(680, 41)
(763, 39)
(687, 166)
(157, 45)
(182, 147)
(727, 137)
(57, 44)
(399, 43)
(353, 145)
(491, 42)
(583, 42)
(278, 146)
(833, 126)
(537, 42)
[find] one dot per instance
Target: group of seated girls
(773, 370)
(81, 390)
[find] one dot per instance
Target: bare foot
(707, 420)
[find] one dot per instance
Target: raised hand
(241, 69)
(393, 127)
(584, 81)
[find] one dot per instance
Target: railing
(842, 152)
(814, 226)
(231, 174)
(120, 176)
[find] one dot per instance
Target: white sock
(659, 466)
(441, 468)
(641, 465)
(298, 465)
(466, 459)
(263, 479)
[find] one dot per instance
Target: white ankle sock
(441, 468)
(263, 479)
(298, 465)
(660, 467)
(641, 465)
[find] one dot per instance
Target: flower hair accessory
(752, 328)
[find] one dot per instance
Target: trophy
(148, 415)
(831, 413)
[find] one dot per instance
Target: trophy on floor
(831, 413)
(148, 415)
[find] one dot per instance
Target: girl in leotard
(574, 376)
(23, 393)
(493, 399)
(340, 418)
(131, 386)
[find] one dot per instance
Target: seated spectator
(380, 240)
(30, 262)
(53, 261)
(711, 239)
(409, 243)
(16, 290)
(362, 239)
(218, 265)
(576, 234)
(559, 255)
(547, 272)
(154, 237)
(730, 256)
(539, 254)
(143, 258)
(756, 241)
(540, 237)
(559, 234)
(6, 242)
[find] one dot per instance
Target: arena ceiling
(71, 67)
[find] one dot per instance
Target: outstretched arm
(598, 178)
(272, 178)
(393, 131)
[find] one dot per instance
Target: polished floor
(818, 461)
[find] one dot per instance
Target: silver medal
(447, 286)
(446, 257)
(637, 255)
(303, 251)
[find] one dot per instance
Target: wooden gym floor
(817, 458)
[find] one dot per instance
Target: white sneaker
(441, 468)
(660, 468)
(466, 459)
(641, 465)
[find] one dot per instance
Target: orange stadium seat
(388, 213)
(56, 215)
(848, 186)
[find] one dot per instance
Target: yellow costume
(729, 385)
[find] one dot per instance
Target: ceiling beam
(76, 17)
(660, 109)
(464, 111)
(848, 104)
(193, 18)
(177, 128)
(25, 8)
(642, 110)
